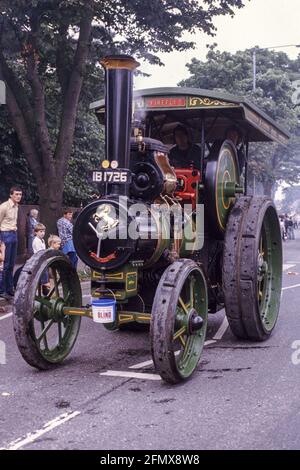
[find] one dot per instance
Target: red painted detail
(103, 260)
(189, 179)
(166, 102)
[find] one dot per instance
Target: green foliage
(13, 166)
(291, 202)
(233, 73)
(43, 61)
(87, 154)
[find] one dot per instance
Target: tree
(13, 166)
(61, 41)
(291, 201)
(232, 73)
(88, 149)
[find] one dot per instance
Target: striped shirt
(65, 230)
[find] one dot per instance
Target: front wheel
(44, 335)
(179, 321)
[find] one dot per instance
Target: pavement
(106, 395)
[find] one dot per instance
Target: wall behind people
(24, 210)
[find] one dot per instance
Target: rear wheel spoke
(179, 333)
(183, 306)
(182, 340)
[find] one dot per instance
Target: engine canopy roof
(164, 108)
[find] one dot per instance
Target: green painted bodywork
(125, 281)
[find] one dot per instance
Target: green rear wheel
(252, 268)
(44, 335)
(222, 177)
(179, 321)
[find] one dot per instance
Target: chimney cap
(119, 62)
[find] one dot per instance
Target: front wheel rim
(188, 343)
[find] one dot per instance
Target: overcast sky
(261, 22)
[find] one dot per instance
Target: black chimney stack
(118, 107)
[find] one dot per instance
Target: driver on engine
(184, 153)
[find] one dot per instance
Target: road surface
(106, 395)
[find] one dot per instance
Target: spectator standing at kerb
(286, 225)
(65, 232)
(39, 244)
(282, 228)
(9, 236)
(291, 233)
(32, 221)
(54, 242)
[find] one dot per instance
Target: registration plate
(111, 176)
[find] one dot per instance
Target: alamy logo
(2, 353)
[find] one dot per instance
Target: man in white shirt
(8, 235)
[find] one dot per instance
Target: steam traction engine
(154, 257)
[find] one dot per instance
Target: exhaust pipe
(118, 107)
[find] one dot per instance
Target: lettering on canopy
(166, 102)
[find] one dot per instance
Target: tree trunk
(50, 201)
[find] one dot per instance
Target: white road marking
(219, 334)
(210, 341)
(141, 365)
(286, 267)
(291, 287)
(33, 436)
(6, 316)
(134, 375)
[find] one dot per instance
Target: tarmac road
(242, 396)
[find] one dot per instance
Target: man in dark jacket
(184, 153)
